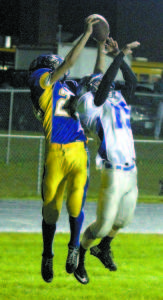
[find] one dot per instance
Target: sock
(48, 232)
(75, 229)
(105, 243)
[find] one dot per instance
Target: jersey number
(59, 110)
(118, 118)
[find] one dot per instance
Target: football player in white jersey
(107, 114)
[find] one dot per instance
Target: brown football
(101, 29)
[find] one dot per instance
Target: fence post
(10, 126)
(39, 176)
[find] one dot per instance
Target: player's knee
(89, 234)
(120, 225)
(102, 232)
(73, 210)
(50, 215)
(99, 230)
(116, 227)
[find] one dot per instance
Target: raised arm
(74, 53)
(100, 59)
(111, 72)
(130, 82)
(107, 80)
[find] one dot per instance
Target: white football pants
(117, 201)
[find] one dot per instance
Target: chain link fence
(22, 151)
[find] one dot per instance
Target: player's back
(59, 126)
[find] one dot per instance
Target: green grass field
(139, 275)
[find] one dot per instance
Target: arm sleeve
(107, 80)
(129, 87)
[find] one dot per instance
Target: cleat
(105, 257)
(47, 269)
(81, 274)
(72, 259)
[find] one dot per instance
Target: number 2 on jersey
(60, 110)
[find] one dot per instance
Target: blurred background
(32, 27)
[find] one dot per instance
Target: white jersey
(111, 121)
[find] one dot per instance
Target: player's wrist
(87, 34)
(113, 53)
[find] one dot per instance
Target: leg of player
(103, 250)
(73, 246)
(51, 211)
(115, 209)
(107, 209)
(111, 194)
(48, 232)
(125, 213)
(77, 186)
(81, 273)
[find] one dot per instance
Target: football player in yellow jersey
(66, 159)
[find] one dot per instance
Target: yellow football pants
(64, 164)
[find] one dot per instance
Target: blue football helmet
(93, 82)
(50, 61)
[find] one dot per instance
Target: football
(101, 29)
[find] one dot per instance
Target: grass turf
(139, 275)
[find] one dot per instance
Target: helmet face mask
(50, 61)
(94, 82)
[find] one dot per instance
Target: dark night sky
(129, 20)
(72, 17)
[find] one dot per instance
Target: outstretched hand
(111, 47)
(89, 22)
(127, 49)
